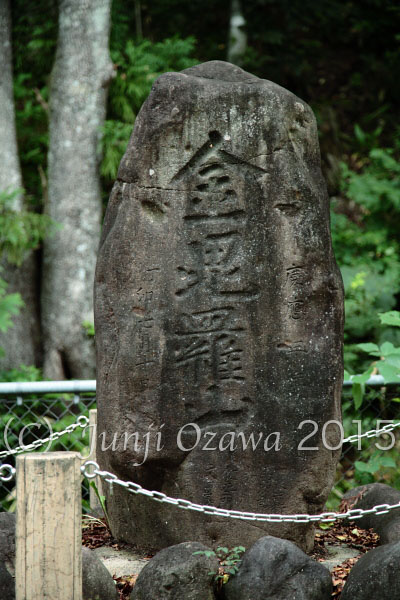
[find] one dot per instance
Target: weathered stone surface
(176, 573)
(218, 303)
(275, 569)
(387, 526)
(97, 583)
(7, 556)
(121, 561)
(375, 575)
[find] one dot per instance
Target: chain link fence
(369, 460)
(31, 411)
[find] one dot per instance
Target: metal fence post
(48, 529)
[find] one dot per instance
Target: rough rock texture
(97, 583)
(375, 575)
(176, 573)
(387, 526)
(218, 303)
(277, 569)
(7, 556)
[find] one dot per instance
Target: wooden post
(48, 530)
(94, 501)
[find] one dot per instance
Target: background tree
(79, 81)
(22, 341)
(340, 56)
(237, 36)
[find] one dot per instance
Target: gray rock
(337, 554)
(122, 561)
(375, 575)
(218, 313)
(176, 573)
(7, 583)
(97, 583)
(374, 494)
(7, 556)
(275, 569)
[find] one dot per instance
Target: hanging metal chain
(81, 421)
(372, 433)
(4, 469)
(7, 473)
(90, 470)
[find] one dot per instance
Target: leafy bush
(377, 188)
(138, 65)
(369, 460)
(20, 231)
(365, 226)
(229, 562)
(10, 305)
(387, 365)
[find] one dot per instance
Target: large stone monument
(218, 313)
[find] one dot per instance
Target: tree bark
(237, 43)
(22, 342)
(81, 73)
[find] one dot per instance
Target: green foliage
(102, 501)
(377, 188)
(115, 139)
(351, 79)
(390, 318)
(137, 68)
(34, 37)
(22, 373)
(375, 463)
(37, 418)
(387, 365)
(363, 462)
(10, 304)
(367, 139)
(20, 230)
(365, 225)
(229, 561)
(89, 328)
(138, 65)
(358, 385)
(370, 288)
(363, 404)
(31, 112)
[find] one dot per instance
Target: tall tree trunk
(237, 42)
(81, 73)
(22, 342)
